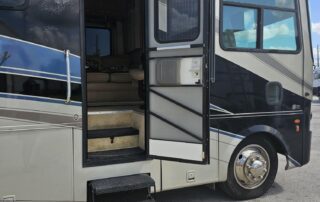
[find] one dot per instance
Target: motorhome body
(185, 91)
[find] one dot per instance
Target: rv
(103, 99)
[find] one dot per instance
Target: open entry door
(177, 80)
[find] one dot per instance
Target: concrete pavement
(301, 184)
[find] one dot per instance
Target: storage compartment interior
(114, 49)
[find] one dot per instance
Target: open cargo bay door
(177, 80)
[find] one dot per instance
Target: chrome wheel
(251, 166)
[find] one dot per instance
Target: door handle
(68, 73)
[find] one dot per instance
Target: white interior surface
(173, 113)
(164, 131)
(188, 96)
(178, 150)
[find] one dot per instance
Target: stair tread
(116, 153)
(112, 132)
(121, 184)
(116, 156)
(114, 103)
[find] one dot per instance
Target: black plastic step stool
(112, 189)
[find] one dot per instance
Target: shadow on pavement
(205, 194)
(195, 194)
(274, 190)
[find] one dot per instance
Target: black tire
(231, 186)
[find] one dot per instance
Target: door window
(239, 27)
(177, 20)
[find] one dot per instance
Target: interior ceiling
(110, 8)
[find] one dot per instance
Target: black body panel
(307, 134)
(242, 96)
(241, 91)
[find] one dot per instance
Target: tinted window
(55, 24)
(239, 27)
(251, 24)
(47, 22)
(24, 85)
(11, 3)
(279, 30)
(177, 20)
(98, 42)
(275, 3)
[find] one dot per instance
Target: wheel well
(277, 144)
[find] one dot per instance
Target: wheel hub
(251, 166)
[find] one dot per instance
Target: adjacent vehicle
(103, 99)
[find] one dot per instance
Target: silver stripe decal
(231, 134)
(41, 117)
(36, 71)
(223, 132)
(31, 96)
(39, 45)
(41, 77)
(40, 127)
(269, 60)
(258, 114)
(219, 109)
(35, 111)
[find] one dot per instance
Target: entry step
(114, 132)
(116, 156)
(132, 188)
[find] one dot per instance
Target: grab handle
(67, 55)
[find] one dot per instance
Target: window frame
(16, 8)
(258, 43)
(260, 25)
(156, 25)
(100, 27)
